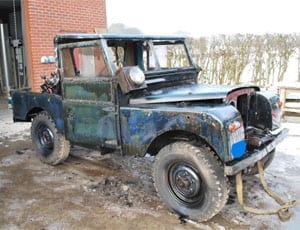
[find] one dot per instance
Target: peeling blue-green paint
(27, 104)
(87, 90)
(140, 126)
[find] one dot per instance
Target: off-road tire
(190, 180)
(267, 160)
(51, 147)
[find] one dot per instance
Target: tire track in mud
(90, 168)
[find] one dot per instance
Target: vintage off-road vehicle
(138, 94)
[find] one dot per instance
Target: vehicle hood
(188, 93)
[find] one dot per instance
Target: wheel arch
(148, 130)
(59, 123)
(33, 112)
(177, 135)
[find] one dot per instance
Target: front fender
(141, 126)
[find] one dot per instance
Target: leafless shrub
(225, 58)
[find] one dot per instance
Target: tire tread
(62, 146)
(214, 167)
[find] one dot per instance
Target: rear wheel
(51, 147)
(190, 180)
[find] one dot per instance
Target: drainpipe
(4, 58)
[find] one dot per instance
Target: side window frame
(63, 50)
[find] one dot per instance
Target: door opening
(12, 64)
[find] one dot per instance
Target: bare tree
(257, 61)
(224, 58)
(285, 48)
(198, 48)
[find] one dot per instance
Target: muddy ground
(94, 191)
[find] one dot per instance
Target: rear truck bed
(27, 104)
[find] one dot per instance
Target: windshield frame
(154, 44)
(141, 45)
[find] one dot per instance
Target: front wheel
(190, 180)
(52, 147)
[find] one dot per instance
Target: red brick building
(39, 22)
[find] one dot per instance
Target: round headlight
(136, 76)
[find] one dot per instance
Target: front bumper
(256, 155)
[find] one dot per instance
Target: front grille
(244, 100)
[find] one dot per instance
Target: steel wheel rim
(45, 139)
(185, 184)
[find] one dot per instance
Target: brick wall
(44, 19)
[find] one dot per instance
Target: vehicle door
(89, 111)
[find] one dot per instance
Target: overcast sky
(199, 17)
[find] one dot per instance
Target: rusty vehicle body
(139, 94)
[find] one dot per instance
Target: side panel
(89, 112)
(27, 103)
(140, 126)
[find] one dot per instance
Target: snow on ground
(10, 129)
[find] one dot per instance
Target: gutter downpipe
(4, 58)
